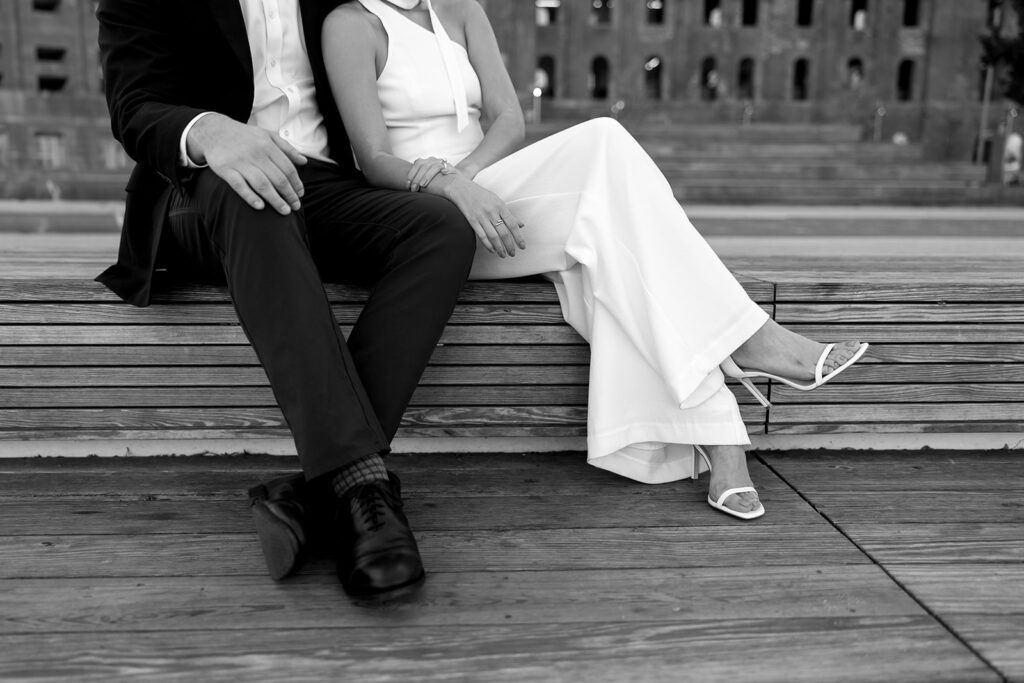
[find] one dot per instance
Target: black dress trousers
(341, 400)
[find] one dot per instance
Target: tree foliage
(1006, 52)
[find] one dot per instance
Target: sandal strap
(729, 492)
(818, 377)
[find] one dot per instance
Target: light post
(537, 92)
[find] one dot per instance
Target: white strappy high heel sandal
(720, 503)
(734, 371)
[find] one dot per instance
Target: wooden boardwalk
(867, 567)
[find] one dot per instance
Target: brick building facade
(681, 61)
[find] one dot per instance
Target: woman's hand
(424, 170)
(492, 220)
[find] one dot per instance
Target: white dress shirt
(284, 99)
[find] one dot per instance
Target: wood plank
(43, 284)
(74, 556)
(201, 314)
(957, 415)
(931, 471)
(873, 288)
(155, 355)
(943, 544)
(894, 355)
(907, 334)
(928, 506)
(884, 395)
(904, 314)
(232, 334)
(634, 508)
(983, 603)
(868, 648)
(430, 477)
(255, 376)
(176, 604)
(244, 396)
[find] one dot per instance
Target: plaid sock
(364, 470)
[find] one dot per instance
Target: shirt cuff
(183, 158)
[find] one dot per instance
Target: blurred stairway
(809, 164)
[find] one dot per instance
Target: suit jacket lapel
(228, 14)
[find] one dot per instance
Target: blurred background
(796, 102)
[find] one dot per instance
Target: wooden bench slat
(852, 413)
(905, 314)
(1010, 291)
(209, 355)
(44, 287)
(221, 396)
(894, 394)
(253, 375)
(232, 334)
(913, 334)
(203, 314)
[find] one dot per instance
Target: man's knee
(226, 211)
(447, 229)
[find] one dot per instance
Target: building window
(905, 81)
(713, 13)
(854, 73)
(801, 75)
(52, 83)
(750, 12)
(599, 78)
(547, 11)
(745, 79)
(45, 5)
(655, 11)
(911, 13)
(995, 13)
(544, 77)
(50, 54)
(710, 82)
(50, 150)
(652, 78)
(601, 12)
(805, 12)
(859, 15)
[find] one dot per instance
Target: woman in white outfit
(590, 210)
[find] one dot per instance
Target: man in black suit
(244, 175)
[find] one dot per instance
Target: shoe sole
(281, 547)
(398, 592)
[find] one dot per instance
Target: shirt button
(273, 62)
(286, 133)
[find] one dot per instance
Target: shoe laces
(371, 502)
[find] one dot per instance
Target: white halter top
(429, 93)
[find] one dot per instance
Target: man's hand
(256, 163)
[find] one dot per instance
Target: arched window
(710, 81)
(599, 78)
(601, 12)
(801, 76)
(544, 77)
(911, 13)
(859, 15)
(905, 81)
(750, 12)
(652, 77)
(995, 13)
(713, 13)
(745, 79)
(854, 73)
(656, 11)
(805, 12)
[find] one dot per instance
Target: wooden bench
(77, 364)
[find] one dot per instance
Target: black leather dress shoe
(281, 511)
(377, 556)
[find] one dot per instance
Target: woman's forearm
(504, 136)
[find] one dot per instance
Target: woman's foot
(776, 350)
(729, 471)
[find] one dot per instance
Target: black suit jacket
(164, 62)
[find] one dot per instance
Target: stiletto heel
(720, 503)
(730, 369)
